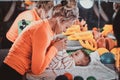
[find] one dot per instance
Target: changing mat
(100, 72)
(95, 68)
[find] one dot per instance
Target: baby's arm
(61, 61)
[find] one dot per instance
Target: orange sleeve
(48, 58)
(41, 55)
(12, 33)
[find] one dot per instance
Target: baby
(63, 60)
(81, 58)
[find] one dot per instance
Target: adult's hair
(46, 5)
(67, 9)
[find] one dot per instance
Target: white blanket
(96, 69)
(100, 72)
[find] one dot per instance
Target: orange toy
(116, 52)
(102, 51)
(69, 76)
(28, 2)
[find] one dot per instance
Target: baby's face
(79, 58)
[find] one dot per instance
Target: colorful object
(78, 78)
(108, 28)
(89, 44)
(91, 78)
(22, 24)
(87, 50)
(82, 23)
(102, 51)
(106, 42)
(116, 52)
(72, 30)
(69, 76)
(61, 77)
(77, 27)
(28, 2)
(85, 35)
(107, 58)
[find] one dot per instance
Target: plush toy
(107, 58)
(91, 78)
(102, 50)
(61, 77)
(69, 76)
(78, 78)
(28, 2)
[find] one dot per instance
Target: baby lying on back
(63, 60)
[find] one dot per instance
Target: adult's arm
(41, 55)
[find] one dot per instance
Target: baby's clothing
(62, 60)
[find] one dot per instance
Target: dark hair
(86, 55)
(64, 2)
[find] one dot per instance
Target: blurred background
(97, 13)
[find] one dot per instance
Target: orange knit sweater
(30, 15)
(32, 49)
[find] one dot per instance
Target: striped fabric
(61, 61)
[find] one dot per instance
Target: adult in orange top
(34, 48)
(41, 11)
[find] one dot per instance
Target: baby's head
(81, 58)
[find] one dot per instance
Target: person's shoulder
(35, 24)
(40, 22)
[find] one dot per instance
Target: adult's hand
(60, 44)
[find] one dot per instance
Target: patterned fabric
(62, 61)
(96, 69)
